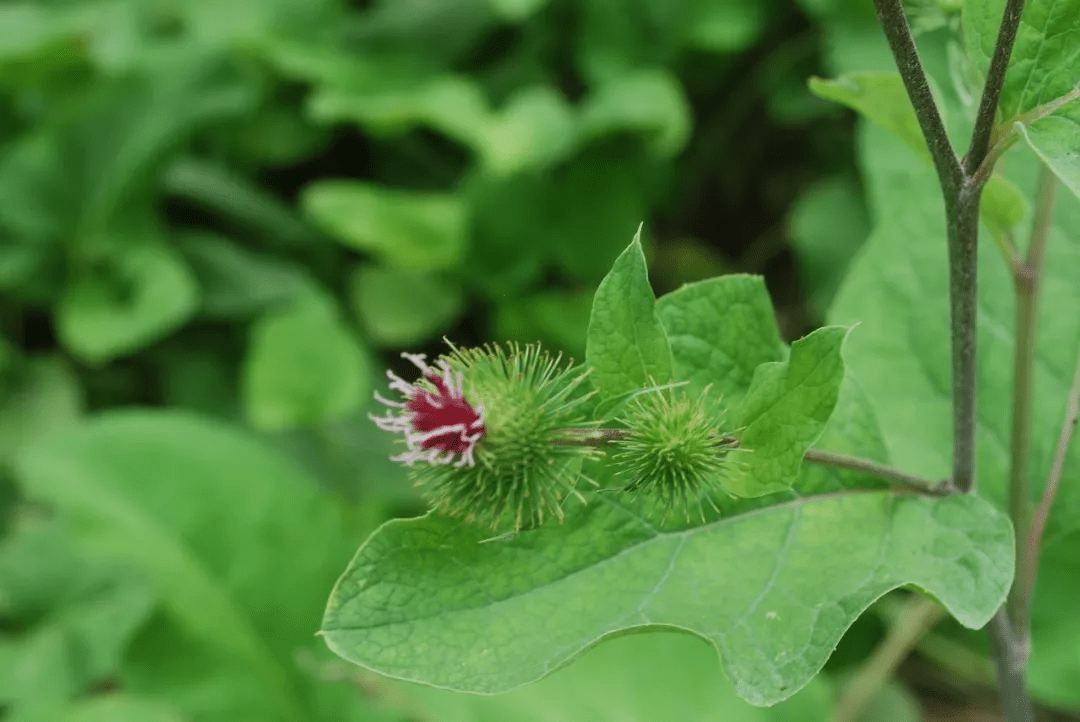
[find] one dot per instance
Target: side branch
(995, 81)
(894, 23)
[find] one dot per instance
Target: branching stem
(962, 184)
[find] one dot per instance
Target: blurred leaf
(558, 319)
(726, 26)
(403, 308)
(119, 707)
(785, 410)
(44, 397)
(146, 293)
(235, 282)
(239, 199)
(45, 675)
(517, 10)
(585, 238)
(450, 104)
(206, 515)
(303, 366)
(627, 347)
(1054, 669)
(827, 226)
(650, 102)
(407, 229)
(507, 245)
(200, 378)
(654, 676)
(535, 129)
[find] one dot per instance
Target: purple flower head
(440, 425)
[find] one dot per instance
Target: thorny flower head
(485, 431)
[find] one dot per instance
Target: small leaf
(407, 229)
(773, 590)
(1056, 139)
(881, 97)
(627, 348)
(721, 330)
(148, 293)
(786, 409)
(303, 367)
(403, 308)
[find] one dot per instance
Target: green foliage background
(220, 221)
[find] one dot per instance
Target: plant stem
(918, 615)
(962, 233)
(894, 22)
(1024, 586)
(882, 471)
(995, 81)
(1028, 282)
(1010, 659)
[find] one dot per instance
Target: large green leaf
(419, 231)
(627, 347)
(785, 410)
(773, 589)
(210, 519)
(303, 366)
(721, 330)
(897, 292)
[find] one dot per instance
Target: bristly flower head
(484, 429)
(675, 449)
